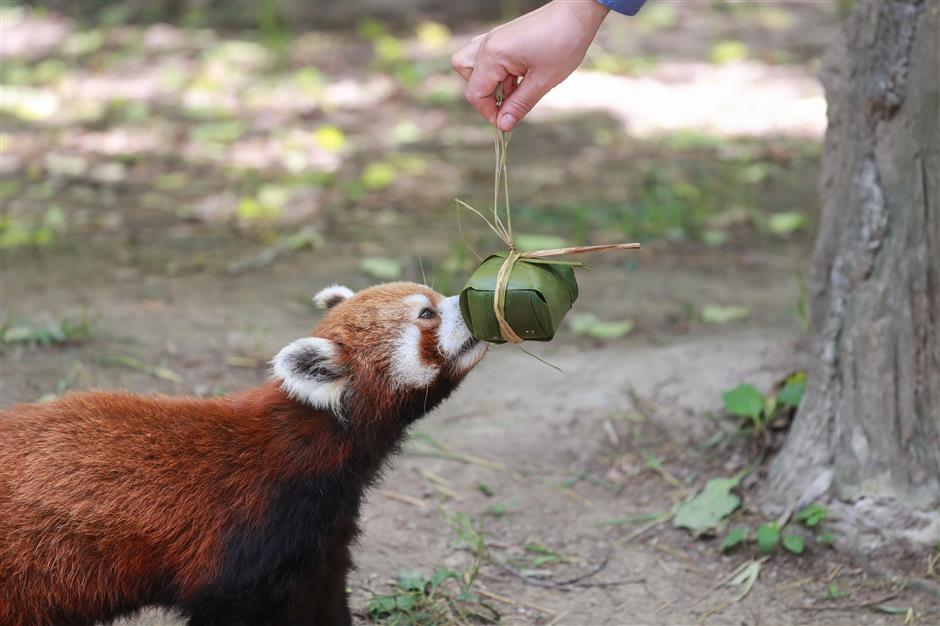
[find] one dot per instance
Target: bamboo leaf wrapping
(538, 295)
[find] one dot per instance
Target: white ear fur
(308, 372)
(331, 296)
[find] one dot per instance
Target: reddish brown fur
(205, 476)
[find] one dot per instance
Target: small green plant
(793, 543)
(417, 600)
(812, 514)
(499, 509)
(833, 592)
(17, 231)
(770, 536)
(759, 411)
(66, 331)
(735, 537)
(447, 596)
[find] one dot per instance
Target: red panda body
(234, 510)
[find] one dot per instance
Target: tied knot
(505, 271)
(499, 296)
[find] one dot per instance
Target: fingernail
(507, 121)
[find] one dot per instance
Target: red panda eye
(427, 314)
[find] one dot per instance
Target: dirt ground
(561, 454)
(182, 292)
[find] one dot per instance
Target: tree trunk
(866, 438)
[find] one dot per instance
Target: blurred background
(179, 177)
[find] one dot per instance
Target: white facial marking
(471, 357)
(407, 368)
(418, 301)
(332, 295)
(453, 333)
(316, 387)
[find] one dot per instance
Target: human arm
(530, 55)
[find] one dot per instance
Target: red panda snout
(456, 343)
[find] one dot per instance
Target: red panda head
(379, 349)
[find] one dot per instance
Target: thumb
(518, 104)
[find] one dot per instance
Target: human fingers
(481, 88)
(464, 59)
(523, 98)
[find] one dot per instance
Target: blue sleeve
(627, 7)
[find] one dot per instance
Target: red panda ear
(310, 372)
(332, 295)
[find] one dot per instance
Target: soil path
(562, 453)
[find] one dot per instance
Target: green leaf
(711, 505)
(405, 602)
(833, 592)
(744, 401)
(768, 537)
(812, 514)
(380, 267)
(411, 581)
(274, 196)
(786, 223)
(727, 52)
(715, 238)
(794, 544)
(378, 175)
(657, 17)
(792, 392)
(734, 537)
(718, 314)
(530, 242)
(217, 132)
(250, 209)
(381, 605)
(433, 36)
(589, 325)
(827, 538)
(442, 574)
(330, 138)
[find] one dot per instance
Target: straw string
(503, 230)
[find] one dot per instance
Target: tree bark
(866, 438)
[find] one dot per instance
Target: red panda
(232, 510)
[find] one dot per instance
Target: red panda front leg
(320, 598)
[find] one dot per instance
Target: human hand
(529, 55)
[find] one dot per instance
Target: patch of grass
(128, 362)
(22, 232)
(66, 331)
(445, 597)
(691, 186)
(539, 554)
(499, 509)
